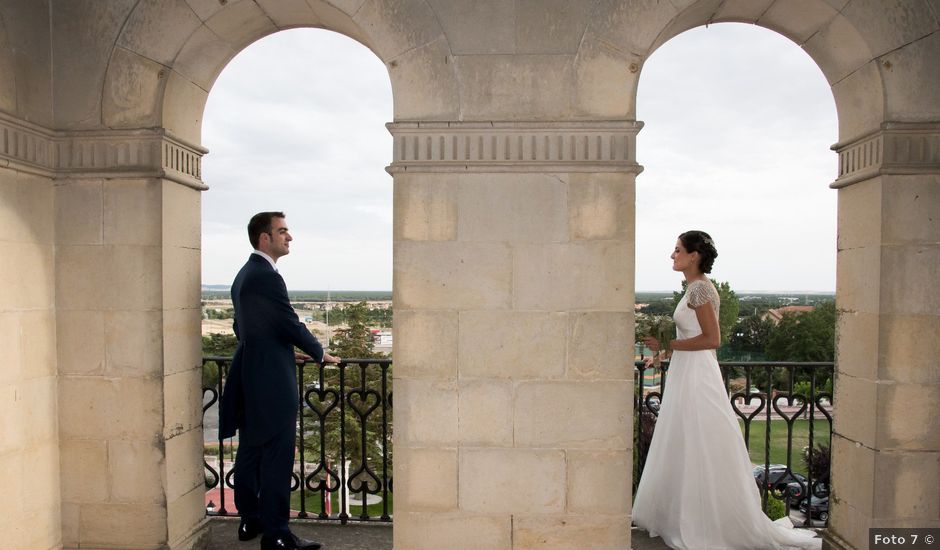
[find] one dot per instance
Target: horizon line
(747, 291)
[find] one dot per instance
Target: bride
(697, 490)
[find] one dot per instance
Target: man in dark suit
(260, 398)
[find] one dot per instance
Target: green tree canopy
(806, 336)
(216, 345)
(751, 334)
(356, 339)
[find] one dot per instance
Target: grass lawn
(313, 504)
(778, 441)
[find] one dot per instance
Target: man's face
(277, 242)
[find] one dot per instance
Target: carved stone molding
(895, 149)
(26, 146)
(514, 146)
(100, 153)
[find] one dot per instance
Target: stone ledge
(138, 153)
(895, 149)
(591, 146)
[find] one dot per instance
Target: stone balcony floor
(354, 536)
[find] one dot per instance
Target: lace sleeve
(700, 292)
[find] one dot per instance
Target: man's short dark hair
(261, 223)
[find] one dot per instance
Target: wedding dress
(697, 490)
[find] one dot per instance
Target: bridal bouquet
(660, 327)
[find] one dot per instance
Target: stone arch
(836, 41)
(168, 55)
(8, 83)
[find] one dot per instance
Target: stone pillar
(29, 450)
(127, 299)
(886, 440)
(513, 294)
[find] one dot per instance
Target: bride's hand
(651, 343)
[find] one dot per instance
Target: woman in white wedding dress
(697, 490)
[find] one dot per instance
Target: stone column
(513, 294)
(29, 450)
(886, 440)
(127, 299)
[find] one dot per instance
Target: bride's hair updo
(701, 242)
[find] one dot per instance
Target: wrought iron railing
(346, 423)
(343, 441)
(771, 392)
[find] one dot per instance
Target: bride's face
(682, 259)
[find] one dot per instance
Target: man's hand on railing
(327, 358)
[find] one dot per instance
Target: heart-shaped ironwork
(210, 471)
(363, 479)
(326, 401)
(323, 479)
(360, 400)
(230, 479)
(748, 417)
(294, 481)
(822, 408)
(213, 397)
(648, 402)
(789, 398)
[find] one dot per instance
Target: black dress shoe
(288, 542)
(249, 528)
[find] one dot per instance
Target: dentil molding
(100, 153)
(894, 149)
(603, 146)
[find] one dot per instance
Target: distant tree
(751, 334)
(808, 336)
(213, 313)
(728, 311)
(354, 341)
(663, 306)
(217, 345)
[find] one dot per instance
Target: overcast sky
(738, 119)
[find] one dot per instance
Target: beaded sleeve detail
(700, 292)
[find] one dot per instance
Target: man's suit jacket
(260, 397)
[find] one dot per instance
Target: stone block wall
(127, 295)
(30, 508)
(513, 296)
(29, 449)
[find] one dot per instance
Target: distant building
(382, 338)
(777, 314)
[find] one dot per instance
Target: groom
(260, 397)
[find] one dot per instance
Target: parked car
(817, 507)
(799, 491)
(779, 479)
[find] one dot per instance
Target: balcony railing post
(223, 373)
(302, 433)
(386, 402)
(809, 470)
(344, 471)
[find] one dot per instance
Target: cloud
(738, 124)
(296, 123)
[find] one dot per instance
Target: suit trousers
(263, 479)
